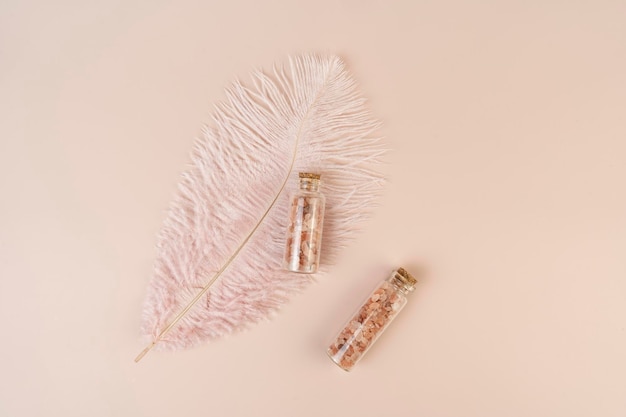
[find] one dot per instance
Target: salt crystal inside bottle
(304, 231)
(371, 319)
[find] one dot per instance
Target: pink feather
(231, 205)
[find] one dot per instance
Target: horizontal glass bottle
(371, 319)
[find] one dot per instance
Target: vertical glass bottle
(372, 318)
(304, 232)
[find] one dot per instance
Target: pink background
(507, 124)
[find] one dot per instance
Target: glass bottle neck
(309, 184)
(400, 288)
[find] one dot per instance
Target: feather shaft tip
(145, 352)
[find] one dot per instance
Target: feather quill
(219, 252)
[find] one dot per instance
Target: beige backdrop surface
(507, 124)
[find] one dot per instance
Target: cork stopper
(309, 181)
(404, 279)
(309, 175)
